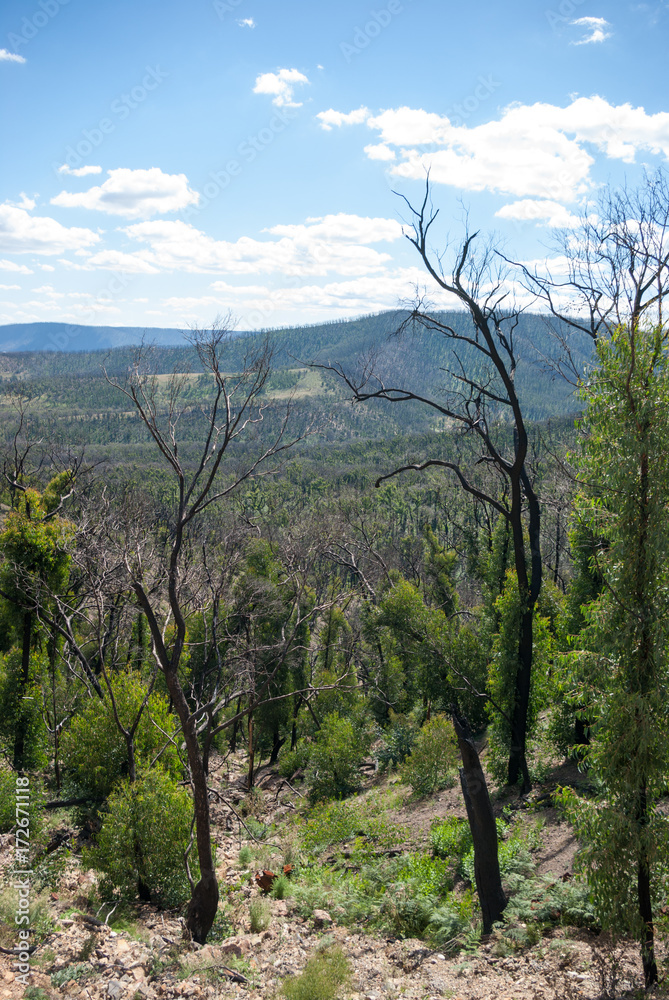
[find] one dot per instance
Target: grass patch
(324, 977)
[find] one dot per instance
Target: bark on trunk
(203, 904)
(277, 743)
(646, 913)
(483, 827)
(518, 772)
(21, 717)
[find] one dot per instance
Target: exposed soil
(151, 958)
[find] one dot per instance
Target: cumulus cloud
(595, 28)
(246, 22)
(80, 171)
(531, 151)
(379, 151)
(281, 86)
(548, 213)
(116, 260)
(23, 202)
(10, 265)
(334, 243)
(6, 56)
(24, 233)
(335, 119)
(342, 228)
(135, 194)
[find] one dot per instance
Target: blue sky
(165, 162)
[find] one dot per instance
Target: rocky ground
(146, 955)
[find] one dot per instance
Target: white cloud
(46, 267)
(80, 171)
(536, 151)
(23, 202)
(281, 86)
(9, 265)
(23, 233)
(136, 194)
(265, 305)
(595, 28)
(336, 119)
(246, 22)
(334, 243)
(116, 260)
(11, 288)
(379, 151)
(6, 56)
(342, 228)
(549, 213)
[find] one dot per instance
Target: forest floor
(142, 954)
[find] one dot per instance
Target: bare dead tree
(612, 270)
(157, 578)
(482, 400)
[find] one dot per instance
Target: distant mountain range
(73, 337)
(423, 360)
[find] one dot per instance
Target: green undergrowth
(358, 864)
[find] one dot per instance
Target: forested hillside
(340, 561)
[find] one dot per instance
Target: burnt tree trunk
(483, 827)
(24, 680)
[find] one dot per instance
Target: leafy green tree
(95, 751)
(503, 666)
(334, 763)
(624, 475)
(35, 548)
(269, 620)
(142, 848)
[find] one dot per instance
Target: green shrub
(451, 839)
(451, 921)
(260, 914)
(429, 876)
(281, 887)
(336, 756)
(140, 848)
(432, 763)
(514, 859)
(325, 975)
(21, 706)
(77, 972)
(291, 761)
(331, 823)
(398, 742)
(245, 857)
(547, 900)
(95, 751)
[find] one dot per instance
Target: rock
(115, 989)
(321, 918)
(237, 946)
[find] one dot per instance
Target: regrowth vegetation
(269, 589)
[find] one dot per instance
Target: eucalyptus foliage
(624, 662)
